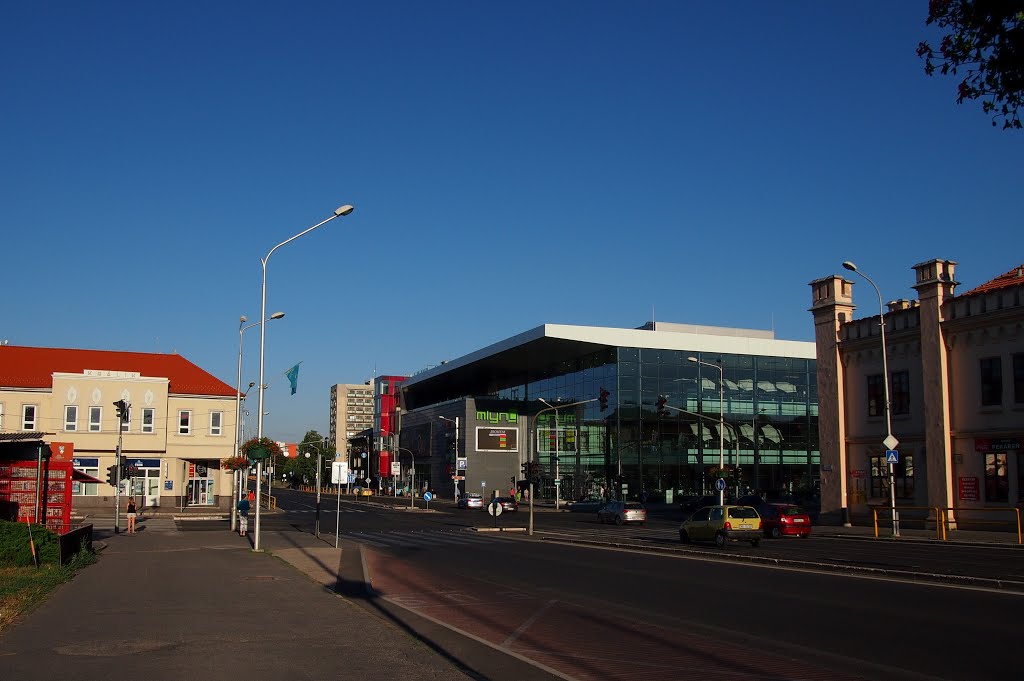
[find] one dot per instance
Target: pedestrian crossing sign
(892, 456)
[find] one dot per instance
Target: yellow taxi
(721, 524)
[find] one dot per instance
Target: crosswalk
(422, 538)
(324, 510)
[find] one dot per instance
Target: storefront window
(997, 484)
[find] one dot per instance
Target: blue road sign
(892, 456)
(427, 496)
(720, 484)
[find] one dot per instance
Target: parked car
(691, 504)
(721, 524)
(621, 512)
(507, 503)
(471, 500)
(755, 500)
(586, 505)
(784, 520)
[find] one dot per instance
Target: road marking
(526, 625)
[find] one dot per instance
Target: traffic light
(535, 472)
(662, 401)
(603, 399)
(513, 480)
(526, 470)
(122, 411)
(112, 474)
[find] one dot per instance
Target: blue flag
(293, 377)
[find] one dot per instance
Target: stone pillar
(934, 285)
(832, 307)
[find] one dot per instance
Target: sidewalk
(164, 605)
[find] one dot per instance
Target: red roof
(24, 367)
(1014, 277)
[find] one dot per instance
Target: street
(610, 610)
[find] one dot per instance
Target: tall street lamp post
(320, 447)
(555, 409)
(238, 406)
(721, 420)
(338, 212)
(890, 442)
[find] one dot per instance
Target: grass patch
(24, 587)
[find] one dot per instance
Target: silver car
(622, 512)
(471, 500)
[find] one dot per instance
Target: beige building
(956, 399)
(351, 412)
(180, 426)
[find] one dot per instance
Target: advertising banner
(497, 439)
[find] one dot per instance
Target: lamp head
(691, 359)
(541, 399)
(243, 319)
(343, 210)
(850, 266)
(277, 315)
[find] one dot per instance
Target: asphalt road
(632, 602)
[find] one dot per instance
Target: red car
(784, 520)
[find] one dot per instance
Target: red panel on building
(385, 464)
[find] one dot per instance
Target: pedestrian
(243, 515)
(252, 496)
(131, 515)
(519, 496)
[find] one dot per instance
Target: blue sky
(511, 164)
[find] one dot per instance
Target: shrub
(15, 549)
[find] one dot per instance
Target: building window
(148, 418)
(1018, 379)
(901, 392)
(876, 395)
(997, 484)
(95, 419)
(184, 422)
(86, 489)
(1, 415)
(28, 416)
(126, 424)
(903, 473)
(216, 417)
(70, 418)
(991, 382)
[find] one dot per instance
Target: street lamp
(555, 409)
(890, 442)
(456, 422)
(721, 420)
(320, 448)
(412, 475)
(338, 212)
(238, 404)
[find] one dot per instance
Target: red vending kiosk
(21, 480)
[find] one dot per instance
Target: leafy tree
(986, 42)
(303, 469)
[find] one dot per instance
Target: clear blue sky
(511, 164)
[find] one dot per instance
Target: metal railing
(940, 516)
(268, 500)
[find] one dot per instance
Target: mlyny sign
(497, 416)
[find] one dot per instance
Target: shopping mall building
(618, 411)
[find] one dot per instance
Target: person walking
(131, 515)
(243, 516)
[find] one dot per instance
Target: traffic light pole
(117, 485)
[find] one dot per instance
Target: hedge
(16, 551)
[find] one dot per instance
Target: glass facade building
(649, 423)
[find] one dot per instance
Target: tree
(986, 40)
(303, 468)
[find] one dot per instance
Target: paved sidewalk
(163, 604)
